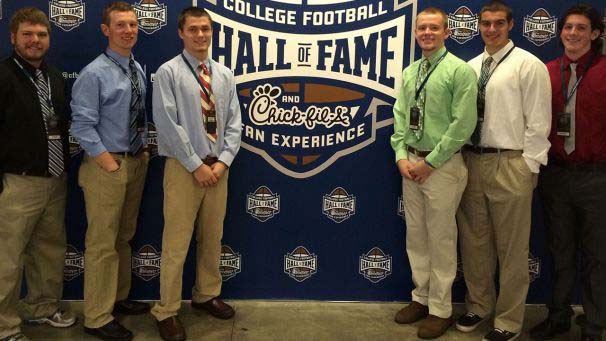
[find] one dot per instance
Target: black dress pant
(575, 209)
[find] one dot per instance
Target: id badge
(211, 121)
(54, 137)
(53, 127)
(563, 124)
(415, 115)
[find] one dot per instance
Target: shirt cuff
(533, 165)
(401, 154)
(96, 149)
(192, 163)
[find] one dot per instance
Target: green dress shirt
(450, 112)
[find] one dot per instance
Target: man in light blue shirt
(197, 116)
(108, 120)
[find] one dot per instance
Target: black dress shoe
(591, 337)
(111, 331)
(548, 329)
(130, 307)
(216, 307)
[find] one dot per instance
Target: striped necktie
(209, 115)
(136, 109)
(56, 163)
(476, 137)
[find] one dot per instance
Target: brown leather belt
(126, 154)
(417, 152)
(484, 150)
(210, 160)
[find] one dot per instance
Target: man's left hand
(420, 171)
(218, 169)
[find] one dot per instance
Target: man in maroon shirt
(573, 185)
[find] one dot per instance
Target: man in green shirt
(434, 115)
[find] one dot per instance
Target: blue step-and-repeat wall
(315, 201)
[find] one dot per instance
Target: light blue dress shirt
(100, 104)
(177, 113)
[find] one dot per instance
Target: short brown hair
(30, 15)
(192, 12)
(498, 6)
(435, 10)
(118, 6)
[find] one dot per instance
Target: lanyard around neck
(196, 76)
(49, 100)
(134, 83)
(418, 92)
(483, 85)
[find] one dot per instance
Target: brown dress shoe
(412, 313)
(433, 327)
(216, 307)
(171, 329)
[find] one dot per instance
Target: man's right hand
(107, 162)
(404, 166)
(205, 176)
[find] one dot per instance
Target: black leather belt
(417, 152)
(484, 150)
(31, 172)
(578, 166)
(210, 160)
(127, 154)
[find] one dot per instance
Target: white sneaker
(60, 319)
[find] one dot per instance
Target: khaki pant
(494, 224)
(32, 237)
(187, 204)
(112, 205)
(431, 233)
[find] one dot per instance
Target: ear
(180, 33)
(448, 31)
(595, 34)
(510, 25)
(13, 38)
(105, 30)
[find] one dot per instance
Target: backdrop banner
(315, 202)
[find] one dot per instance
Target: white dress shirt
(518, 104)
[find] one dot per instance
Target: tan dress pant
(431, 233)
(112, 206)
(494, 224)
(187, 205)
(32, 237)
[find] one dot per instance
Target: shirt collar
(581, 61)
(29, 67)
(124, 61)
(195, 62)
(433, 59)
(499, 54)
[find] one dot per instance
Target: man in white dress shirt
(508, 147)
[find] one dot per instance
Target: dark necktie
(136, 110)
(476, 137)
(571, 108)
(423, 70)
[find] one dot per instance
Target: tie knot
(573, 66)
(204, 68)
(488, 61)
(39, 74)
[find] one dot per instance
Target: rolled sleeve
(85, 106)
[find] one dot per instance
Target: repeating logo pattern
(67, 14)
(300, 264)
(463, 25)
(230, 263)
(540, 27)
(74, 263)
(151, 15)
(146, 263)
(339, 205)
(315, 78)
(534, 267)
(263, 204)
(375, 265)
(152, 140)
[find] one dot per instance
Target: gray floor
(299, 320)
